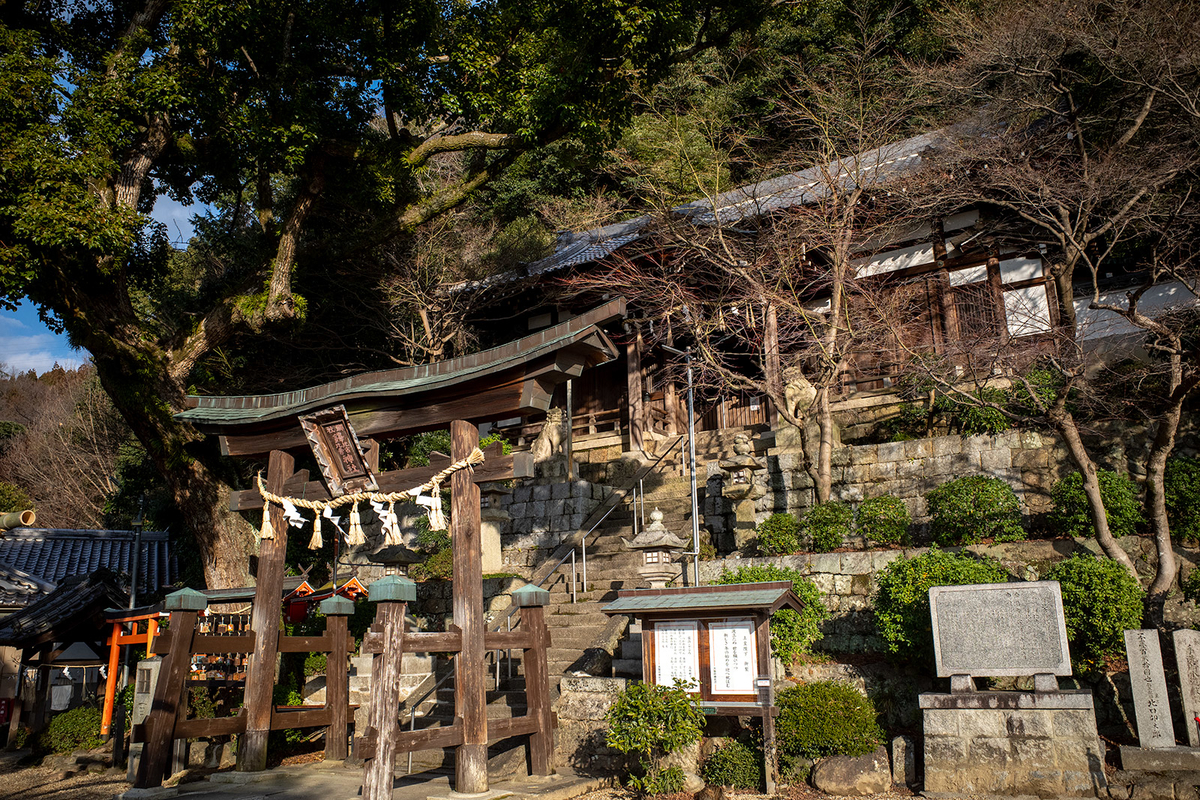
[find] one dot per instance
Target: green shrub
(827, 525)
(792, 632)
(1101, 600)
(201, 704)
(826, 718)
(1070, 514)
(13, 498)
(968, 509)
(734, 764)
(1191, 586)
(438, 567)
(77, 729)
(975, 420)
(778, 534)
(884, 519)
(902, 602)
(651, 722)
(1181, 485)
(314, 664)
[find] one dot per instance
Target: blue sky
(26, 343)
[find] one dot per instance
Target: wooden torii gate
(504, 382)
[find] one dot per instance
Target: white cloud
(22, 348)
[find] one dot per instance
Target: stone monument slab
(1149, 684)
(1187, 659)
(999, 629)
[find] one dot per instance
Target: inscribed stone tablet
(1149, 686)
(1187, 659)
(1000, 629)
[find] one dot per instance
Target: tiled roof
(79, 602)
(19, 588)
(49, 555)
(755, 199)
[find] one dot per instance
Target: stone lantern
(491, 519)
(741, 488)
(657, 545)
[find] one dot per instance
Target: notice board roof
(768, 597)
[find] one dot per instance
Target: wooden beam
(516, 726)
(537, 688)
(264, 621)
(417, 642)
(523, 390)
(304, 718)
(470, 679)
(509, 640)
(206, 644)
(217, 726)
(407, 741)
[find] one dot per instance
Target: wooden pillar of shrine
(771, 362)
(470, 681)
(265, 618)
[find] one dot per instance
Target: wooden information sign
(716, 641)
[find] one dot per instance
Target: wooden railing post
(337, 611)
(531, 601)
(264, 621)
(393, 594)
(169, 694)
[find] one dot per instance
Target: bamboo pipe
(17, 519)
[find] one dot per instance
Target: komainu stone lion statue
(798, 393)
(549, 441)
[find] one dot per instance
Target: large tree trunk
(136, 378)
(1065, 424)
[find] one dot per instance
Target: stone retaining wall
(541, 515)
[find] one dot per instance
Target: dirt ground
(36, 783)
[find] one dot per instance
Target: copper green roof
(732, 597)
(250, 409)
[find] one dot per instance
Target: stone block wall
(542, 514)
(1028, 461)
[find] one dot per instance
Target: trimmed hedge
(1181, 485)
(778, 535)
(1070, 514)
(77, 729)
(827, 525)
(1101, 600)
(884, 519)
(969, 509)
(826, 718)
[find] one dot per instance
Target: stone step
(567, 619)
(627, 668)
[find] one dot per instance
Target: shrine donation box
(715, 641)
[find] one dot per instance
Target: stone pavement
(333, 781)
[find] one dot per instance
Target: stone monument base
(1167, 759)
(1012, 743)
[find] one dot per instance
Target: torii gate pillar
(470, 691)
